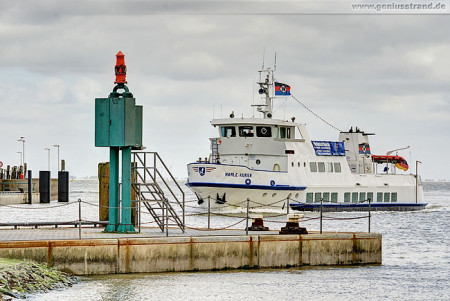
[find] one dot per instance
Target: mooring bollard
(292, 225)
(258, 224)
(79, 218)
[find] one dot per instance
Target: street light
(417, 177)
(47, 149)
(21, 160)
(57, 145)
(22, 139)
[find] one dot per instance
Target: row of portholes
(275, 194)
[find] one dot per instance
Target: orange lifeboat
(399, 162)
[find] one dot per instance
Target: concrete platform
(151, 251)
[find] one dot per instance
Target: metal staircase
(157, 189)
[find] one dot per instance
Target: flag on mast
(282, 89)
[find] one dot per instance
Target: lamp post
(47, 149)
(57, 145)
(22, 139)
(21, 159)
(417, 177)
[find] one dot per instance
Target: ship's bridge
(256, 143)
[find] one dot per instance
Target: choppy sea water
(416, 259)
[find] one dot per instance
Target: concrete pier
(197, 253)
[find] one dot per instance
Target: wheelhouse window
(326, 197)
(387, 197)
(263, 131)
(246, 131)
(285, 132)
(228, 131)
(321, 166)
(354, 197)
(370, 196)
(313, 166)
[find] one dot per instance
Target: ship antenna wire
(309, 110)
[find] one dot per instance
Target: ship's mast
(265, 88)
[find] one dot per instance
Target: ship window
(394, 197)
(297, 134)
(313, 166)
(354, 197)
(362, 196)
(263, 131)
(228, 131)
(337, 167)
(386, 197)
(379, 197)
(282, 132)
(326, 197)
(246, 131)
(317, 197)
(309, 197)
(329, 166)
(285, 132)
(321, 166)
(370, 196)
(334, 196)
(347, 197)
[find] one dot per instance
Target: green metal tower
(118, 125)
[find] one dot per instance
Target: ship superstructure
(269, 160)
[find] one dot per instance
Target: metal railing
(151, 182)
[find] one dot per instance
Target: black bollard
(63, 186)
(30, 189)
(44, 186)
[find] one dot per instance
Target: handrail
(148, 175)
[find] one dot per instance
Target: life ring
(1, 164)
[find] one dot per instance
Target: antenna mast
(264, 88)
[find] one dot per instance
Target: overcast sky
(188, 61)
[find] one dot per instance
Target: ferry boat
(266, 162)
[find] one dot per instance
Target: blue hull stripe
(243, 186)
(356, 205)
